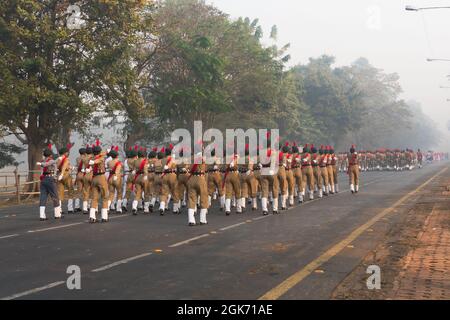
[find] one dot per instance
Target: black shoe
(283, 208)
(203, 223)
(325, 194)
(192, 224)
(92, 220)
(70, 212)
(275, 212)
(134, 212)
(43, 219)
(175, 212)
(104, 220)
(228, 213)
(59, 218)
(254, 209)
(78, 210)
(265, 213)
(150, 208)
(161, 212)
(124, 209)
(221, 209)
(85, 212)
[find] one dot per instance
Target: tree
(51, 75)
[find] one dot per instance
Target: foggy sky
(392, 38)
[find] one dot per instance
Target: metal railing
(14, 185)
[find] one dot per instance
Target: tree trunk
(133, 136)
(34, 155)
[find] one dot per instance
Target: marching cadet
(168, 183)
(215, 181)
(249, 184)
(64, 177)
(316, 171)
(150, 194)
(79, 178)
(269, 181)
(99, 184)
(323, 171)
(128, 166)
(48, 184)
(232, 185)
(197, 188)
(182, 180)
(420, 158)
(290, 176)
(282, 165)
(308, 172)
(297, 170)
(353, 170)
(159, 170)
(87, 180)
(140, 174)
(115, 184)
(332, 171)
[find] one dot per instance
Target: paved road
(303, 253)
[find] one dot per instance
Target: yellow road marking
(297, 277)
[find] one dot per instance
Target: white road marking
(114, 264)
(189, 240)
(259, 218)
(233, 226)
(9, 236)
(25, 293)
(54, 228)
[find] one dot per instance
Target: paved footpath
(414, 257)
(303, 253)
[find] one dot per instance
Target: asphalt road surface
(302, 253)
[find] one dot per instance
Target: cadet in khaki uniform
(140, 180)
(232, 185)
(297, 170)
(308, 173)
(79, 179)
(353, 170)
(87, 180)
(115, 184)
(169, 182)
(269, 182)
(64, 178)
(316, 170)
(215, 181)
(150, 193)
(182, 181)
(323, 160)
(159, 170)
(197, 187)
(282, 165)
(332, 171)
(290, 176)
(129, 176)
(249, 183)
(99, 184)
